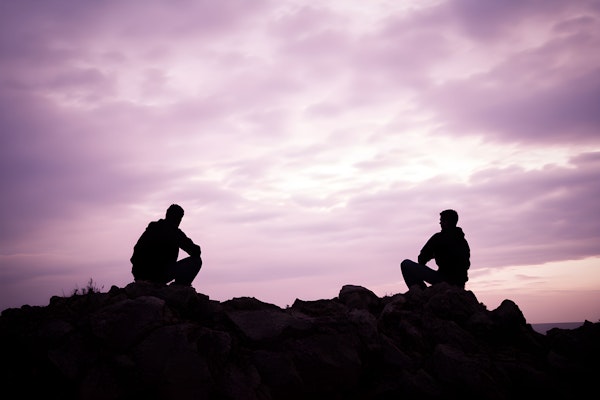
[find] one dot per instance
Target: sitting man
(451, 252)
(155, 254)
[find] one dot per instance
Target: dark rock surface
(167, 342)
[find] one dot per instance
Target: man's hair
(450, 216)
(174, 212)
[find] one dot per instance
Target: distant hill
(544, 328)
(169, 342)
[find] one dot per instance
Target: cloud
(493, 21)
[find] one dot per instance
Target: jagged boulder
(162, 342)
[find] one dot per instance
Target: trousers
(184, 271)
(417, 274)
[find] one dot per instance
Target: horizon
(311, 146)
(92, 287)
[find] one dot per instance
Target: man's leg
(417, 274)
(184, 271)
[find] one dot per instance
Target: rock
(163, 342)
(358, 297)
(267, 324)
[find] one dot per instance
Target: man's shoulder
(436, 235)
(159, 225)
(153, 224)
(452, 232)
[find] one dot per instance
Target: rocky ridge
(167, 342)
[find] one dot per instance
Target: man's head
(174, 214)
(448, 219)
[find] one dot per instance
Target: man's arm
(427, 252)
(466, 254)
(186, 244)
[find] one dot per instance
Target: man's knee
(406, 264)
(193, 263)
(196, 263)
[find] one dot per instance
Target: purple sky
(312, 145)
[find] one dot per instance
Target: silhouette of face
(178, 221)
(444, 223)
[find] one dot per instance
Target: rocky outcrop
(167, 342)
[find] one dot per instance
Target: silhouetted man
(451, 252)
(155, 254)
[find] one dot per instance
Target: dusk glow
(311, 145)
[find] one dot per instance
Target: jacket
(451, 252)
(157, 249)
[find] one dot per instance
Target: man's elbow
(196, 251)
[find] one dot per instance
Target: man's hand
(196, 251)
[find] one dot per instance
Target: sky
(311, 144)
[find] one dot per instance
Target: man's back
(451, 252)
(156, 248)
